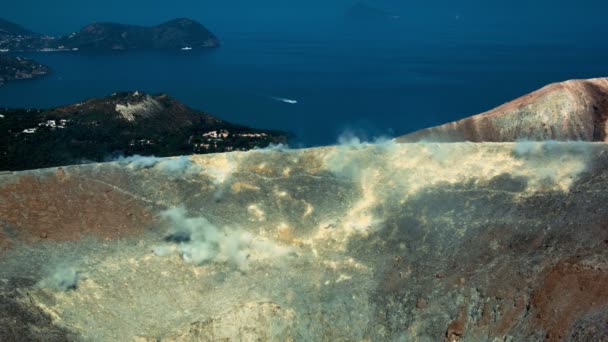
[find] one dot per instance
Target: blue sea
(319, 87)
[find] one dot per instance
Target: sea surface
(319, 87)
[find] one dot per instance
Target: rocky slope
(125, 123)
(174, 34)
(17, 68)
(572, 110)
(389, 242)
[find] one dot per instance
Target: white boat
(186, 48)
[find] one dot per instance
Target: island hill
(175, 34)
(181, 33)
(126, 123)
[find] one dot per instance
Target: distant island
(126, 123)
(175, 34)
(182, 33)
(17, 68)
(364, 12)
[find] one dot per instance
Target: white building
(253, 135)
(217, 135)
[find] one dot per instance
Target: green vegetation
(97, 136)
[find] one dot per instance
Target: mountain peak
(138, 106)
(135, 106)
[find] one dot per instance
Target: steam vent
(420, 241)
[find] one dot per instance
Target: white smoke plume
(63, 277)
(345, 161)
(138, 162)
(177, 166)
(273, 148)
(555, 160)
(199, 242)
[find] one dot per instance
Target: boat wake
(285, 100)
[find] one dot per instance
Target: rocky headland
(17, 68)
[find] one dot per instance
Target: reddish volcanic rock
(568, 293)
(456, 328)
(571, 110)
(61, 207)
